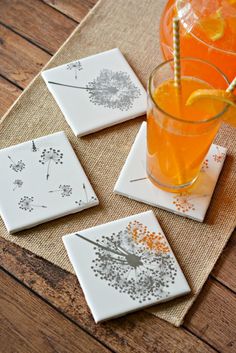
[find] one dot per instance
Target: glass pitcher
(207, 30)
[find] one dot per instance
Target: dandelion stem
(39, 206)
(85, 191)
(139, 179)
(71, 86)
(11, 160)
(100, 246)
(34, 148)
(48, 167)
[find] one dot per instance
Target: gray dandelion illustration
(82, 203)
(34, 148)
(65, 190)
(134, 261)
(16, 166)
(17, 184)
(138, 179)
(26, 203)
(114, 90)
(87, 200)
(76, 67)
(50, 156)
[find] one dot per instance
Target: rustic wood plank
(212, 317)
(37, 22)
(20, 60)
(75, 9)
(137, 333)
(31, 325)
(8, 94)
(225, 268)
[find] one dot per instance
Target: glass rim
(215, 117)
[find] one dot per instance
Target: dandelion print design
(114, 90)
(65, 190)
(17, 184)
(218, 157)
(82, 203)
(182, 202)
(26, 204)
(34, 148)
(76, 67)
(50, 156)
(135, 261)
(16, 166)
(205, 165)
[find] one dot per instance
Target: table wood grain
(42, 308)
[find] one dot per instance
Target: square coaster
(193, 203)
(96, 92)
(125, 265)
(42, 180)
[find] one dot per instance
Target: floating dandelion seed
(17, 166)
(205, 165)
(50, 155)
(135, 261)
(82, 203)
(34, 148)
(65, 190)
(218, 157)
(76, 67)
(182, 202)
(114, 90)
(18, 184)
(26, 204)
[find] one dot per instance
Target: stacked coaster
(125, 265)
(42, 180)
(96, 92)
(193, 203)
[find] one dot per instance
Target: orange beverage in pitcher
(207, 31)
(179, 136)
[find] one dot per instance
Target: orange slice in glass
(217, 95)
(213, 26)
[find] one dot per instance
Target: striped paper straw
(176, 47)
(232, 86)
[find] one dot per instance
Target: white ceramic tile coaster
(125, 265)
(41, 180)
(96, 92)
(193, 203)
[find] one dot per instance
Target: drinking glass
(178, 138)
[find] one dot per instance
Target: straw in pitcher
(176, 53)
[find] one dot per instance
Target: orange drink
(207, 31)
(179, 136)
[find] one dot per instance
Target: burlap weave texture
(133, 27)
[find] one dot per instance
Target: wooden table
(42, 306)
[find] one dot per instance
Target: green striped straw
(232, 86)
(176, 53)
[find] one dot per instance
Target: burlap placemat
(133, 27)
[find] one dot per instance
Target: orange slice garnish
(216, 94)
(213, 26)
(219, 95)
